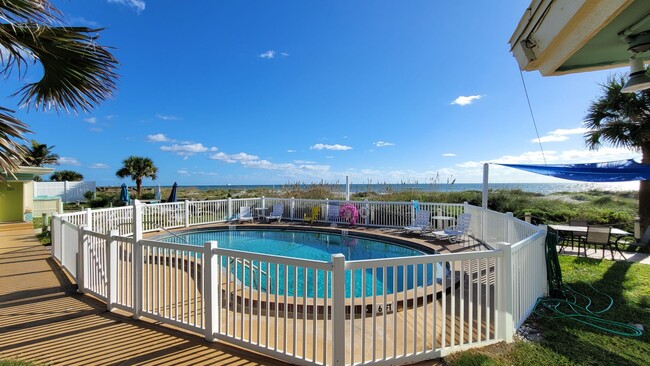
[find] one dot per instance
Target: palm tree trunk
(138, 186)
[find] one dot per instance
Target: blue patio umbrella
(124, 195)
(172, 195)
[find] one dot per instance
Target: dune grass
(568, 342)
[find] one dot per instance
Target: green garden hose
(563, 302)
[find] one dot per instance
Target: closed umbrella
(158, 195)
(124, 195)
(172, 195)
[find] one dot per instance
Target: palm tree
(77, 72)
(623, 120)
(66, 175)
(39, 155)
(137, 168)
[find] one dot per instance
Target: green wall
(11, 201)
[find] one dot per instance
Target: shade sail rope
(565, 302)
(532, 115)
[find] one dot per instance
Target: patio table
(618, 233)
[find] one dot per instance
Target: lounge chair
(276, 213)
(454, 233)
(313, 216)
(422, 223)
(245, 214)
(333, 213)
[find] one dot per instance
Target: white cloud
(267, 55)
(167, 117)
(560, 135)
(96, 129)
(91, 120)
(284, 54)
(329, 157)
(182, 172)
(187, 149)
(83, 21)
(234, 158)
(330, 147)
(63, 160)
(137, 5)
(98, 166)
(159, 137)
(465, 100)
(448, 154)
(304, 162)
(111, 116)
(383, 144)
(291, 151)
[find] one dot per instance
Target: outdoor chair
(641, 243)
(276, 213)
(245, 214)
(333, 213)
(575, 235)
(422, 223)
(454, 233)
(313, 215)
(598, 236)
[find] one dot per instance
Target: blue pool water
(315, 246)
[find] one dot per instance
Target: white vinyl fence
(67, 191)
(377, 311)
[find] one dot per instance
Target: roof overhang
(28, 172)
(567, 36)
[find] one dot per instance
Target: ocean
(543, 188)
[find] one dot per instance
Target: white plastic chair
(454, 233)
(422, 223)
(245, 214)
(276, 213)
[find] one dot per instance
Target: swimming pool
(314, 245)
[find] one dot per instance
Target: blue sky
(275, 92)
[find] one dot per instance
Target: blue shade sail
(611, 171)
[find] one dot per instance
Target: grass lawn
(568, 342)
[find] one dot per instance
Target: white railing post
(292, 208)
(187, 213)
(367, 206)
(338, 309)
(137, 258)
(89, 219)
(505, 307)
(327, 210)
(111, 250)
(65, 191)
(413, 212)
(229, 208)
(263, 202)
(509, 226)
(82, 259)
(211, 282)
(60, 206)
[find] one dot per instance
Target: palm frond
(18, 11)
(77, 72)
(11, 152)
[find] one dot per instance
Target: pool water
(269, 277)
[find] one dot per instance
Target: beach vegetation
(76, 72)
